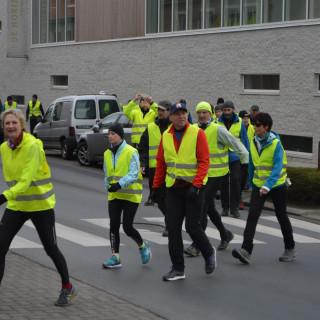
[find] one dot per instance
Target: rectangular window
(59, 81)
(251, 11)
(43, 21)
(297, 143)
(314, 9)
(165, 16)
(57, 111)
(35, 21)
(212, 18)
(194, 14)
(295, 10)
(52, 20)
(18, 99)
(85, 109)
(0, 25)
(71, 13)
(272, 10)
(231, 13)
(61, 21)
(261, 82)
(107, 107)
(152, 16)
(179, 15)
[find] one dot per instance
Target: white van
(67, 117)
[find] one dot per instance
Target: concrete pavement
(28, 291)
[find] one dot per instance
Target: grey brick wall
(198, 67)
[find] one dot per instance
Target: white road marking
(22, 243)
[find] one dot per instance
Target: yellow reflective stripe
(33, 183)
(153, 147)
(218, 155)
(139, 125)
(219, 165)
(181, 165)
(117, 178)
(256, 176)
(35, 196)
(136, 133)
(152, 157)
(187, 178)
(129, 191)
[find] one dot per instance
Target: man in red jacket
(183, 163)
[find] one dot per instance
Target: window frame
(56, 86)
(75, 109)
(272, 92)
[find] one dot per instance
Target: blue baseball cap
(177, 107)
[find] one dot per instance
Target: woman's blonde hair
(17, 113)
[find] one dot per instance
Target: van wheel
(82, 154)
(66, 151)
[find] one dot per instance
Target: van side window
(107, 107)
(66, 110)
(108, 122)
(47, 117)
(85, 109)
(57, 111)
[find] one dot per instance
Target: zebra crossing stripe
(269, 231)
(22, 243)
(82, 238)
(298, 223)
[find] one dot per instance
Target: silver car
(93, 143)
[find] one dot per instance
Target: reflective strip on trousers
(129, 191)
(219, 165)
(35, 196)
(33, 183)
(218, 155)
(181, 165)
(117, 178)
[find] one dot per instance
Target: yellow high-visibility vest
(7, 107)
(133, 192)
(34, 110)
(28, 176)
(154, 141)
(263, 164)
(184, 164)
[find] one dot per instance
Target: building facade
(263, 52)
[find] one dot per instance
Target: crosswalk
(304, 232)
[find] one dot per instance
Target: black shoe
(225, 242)
(174, 275)
(225, 212)
(235, 213)
(211, 262)
(242, 254)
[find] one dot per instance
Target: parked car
(93, 143)
(68, 117)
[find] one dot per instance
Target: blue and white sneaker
(112, 263)
(145, 253)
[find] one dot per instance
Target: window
(124, 121)
(109, 121)
(231, 13)
(85, 109)
(47, 117)
(251, 11)
(165, 15)
(179, 15)
(269, 82)
(212, 18)
(194, 14)
(152, 16)
(0, 25)
(314, 9)
(295, 9)
(319, 82)
(59, 81)
(57, 111)
(272, 10)
(53, 21)
(296, 143)
(18, 99)
(107, 107)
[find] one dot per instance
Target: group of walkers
(186, 164)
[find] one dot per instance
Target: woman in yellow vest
(30, 195)
(123, 180)
(34, 112)
(268, 174)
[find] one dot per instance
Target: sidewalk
(305, 213)
(28, 291)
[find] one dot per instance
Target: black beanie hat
(117, 128)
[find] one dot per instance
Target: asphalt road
(267, 289)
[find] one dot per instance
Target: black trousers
(33, 122)
(230, 191)
(129, 209)
(44, 221)
(181, 207)
(278, 196)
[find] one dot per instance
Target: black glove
(3, 199)
(114, 187)
(193, 193)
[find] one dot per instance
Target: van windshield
(107, 107)
(85, 109)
